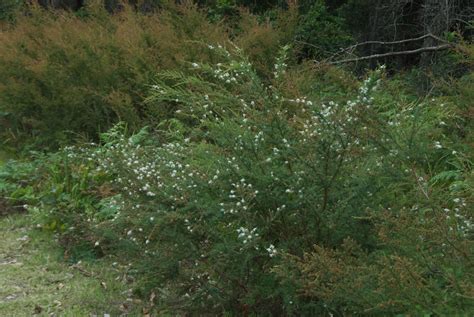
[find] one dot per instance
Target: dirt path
(35, 281)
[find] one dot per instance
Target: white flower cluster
(463, 221)
(247, 235)
(271, 250)
(281, 65)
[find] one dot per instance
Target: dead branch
(81, 270)
(351, 49)
(429, 35)
(375, 56)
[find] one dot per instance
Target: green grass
(3, 158)
(35, 279)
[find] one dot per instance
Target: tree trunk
(436, 19)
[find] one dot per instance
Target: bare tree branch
(429, 35)
(417, 51)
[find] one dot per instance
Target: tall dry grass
(65, 75)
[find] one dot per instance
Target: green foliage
(65, 77)
(9, 9)
(228, 6)
(38, 268)
(346, 207)
(234, 180)
(321, 33)
(52, 182)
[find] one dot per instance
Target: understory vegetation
(237, 172)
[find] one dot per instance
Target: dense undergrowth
(235, 180)
(67, 76)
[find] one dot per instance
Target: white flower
(271, 250)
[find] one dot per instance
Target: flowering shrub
(250, 197)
